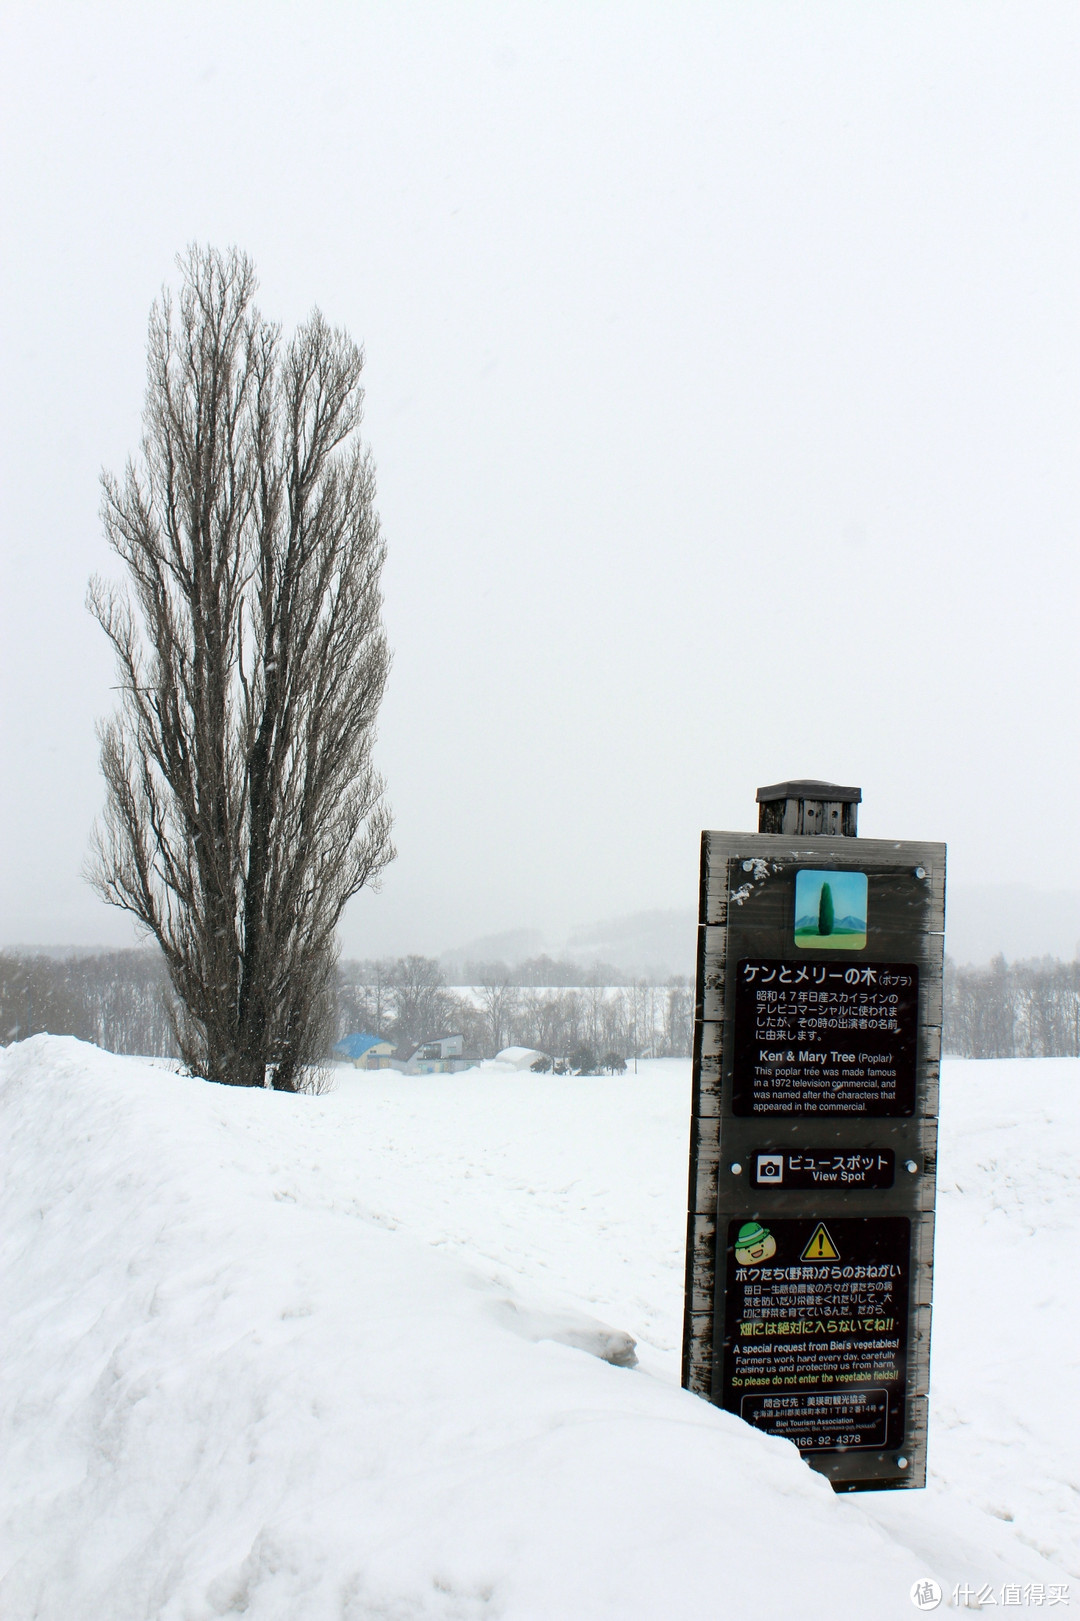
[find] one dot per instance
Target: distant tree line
(1013, 1010)
(119, 1000)
(116, 999)
(575, 1015)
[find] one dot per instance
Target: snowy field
(341, 1359)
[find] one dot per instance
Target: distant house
(443, 1055)
(365, 1052)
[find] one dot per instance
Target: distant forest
(118, 1000)
(1025, 1009)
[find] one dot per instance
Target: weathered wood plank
(698, 1360)
(705, 1180)
(752, 859)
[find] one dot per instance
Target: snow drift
(243, 1379)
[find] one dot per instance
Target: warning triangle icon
(821, 1246)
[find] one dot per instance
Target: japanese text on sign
(817, 1039)
(824, 1168)
(823, 1341)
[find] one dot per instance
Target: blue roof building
(356, 1046)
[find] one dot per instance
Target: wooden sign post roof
(805, 806)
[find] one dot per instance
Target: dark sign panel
(814, 1135)
(823, 1168)
(819, 1038)
(815, 1345)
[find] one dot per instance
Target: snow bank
(342, 1357)
(1005, 1350)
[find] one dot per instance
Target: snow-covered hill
(342, 1358)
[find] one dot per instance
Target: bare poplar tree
(242, 809)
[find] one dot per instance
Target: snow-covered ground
(341, 1358)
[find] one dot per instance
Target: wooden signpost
(814, 1134)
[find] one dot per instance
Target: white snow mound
(234, 1387)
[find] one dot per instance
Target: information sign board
(823, 1167)
(813, 1143)
(817, 1326)
(812, 1038)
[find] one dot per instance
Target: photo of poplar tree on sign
(830, 910)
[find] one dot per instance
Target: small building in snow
(442, 1055)
(365, 1052)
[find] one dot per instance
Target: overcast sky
(722, 381)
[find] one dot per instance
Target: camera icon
(770, 1167)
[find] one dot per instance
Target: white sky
(722, 382)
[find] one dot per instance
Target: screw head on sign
(736, 1169)
(911, 1166)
